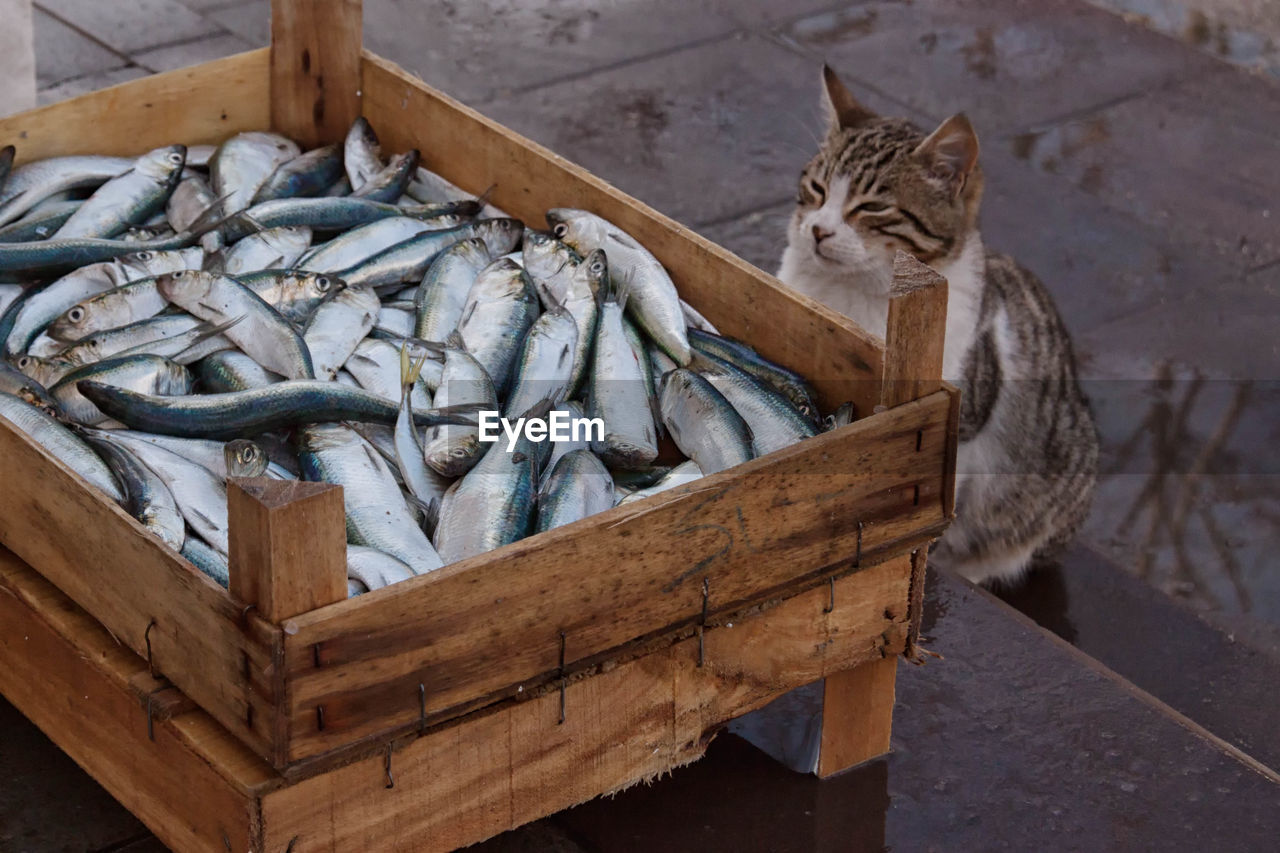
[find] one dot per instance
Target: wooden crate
(651, 624)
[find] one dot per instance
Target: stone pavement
(1134, 173)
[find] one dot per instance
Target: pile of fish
(252, 309)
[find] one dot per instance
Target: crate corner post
(857, 703)
(315, 68)
(288, 544)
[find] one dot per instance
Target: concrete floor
(1135, 173)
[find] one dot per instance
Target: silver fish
(375, 365)
(204, 452)
(452, 450)
(147, 498)
(439, 300)
(362, 155)
(544, 367)
(377, 515)
(684, 473)
(577, 487)
(617, 389)
(261, 332)
(32, 183)
(243, 163)
(702, 423)
(128, 199)
(372, 569)
(146, 374)
(773, 421)
(233, 371)
(338, 326)
(500, 308)
(651, 295)
(277, 248)
(61, 443)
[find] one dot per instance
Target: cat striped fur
(1028, 454)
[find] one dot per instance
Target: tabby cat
(1028, 452)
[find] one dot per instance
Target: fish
(233, 371)
(579, 486)
(61, 443)
(790, 384)
(272, 248)
(17, 383)
(774, 422)
(377, 515)
(40, 223)
(244, 458)
(236, 414)
(702, 423)
(544, 366)
(146, 497)
(308, 174)
(389, 183)
(651, 294)
(338, 326)
(128, 199)
(204, 452)
(148, 374)
(353, 247)
(426, 485)
(213, 564)
(372, 569)
(440, 298)
(494, 503)
(684, 473)
(243, 163)
(582, 301)
(200, 494)
(32, 183)
(375, 366)
(452, 450)
(361, 153)
(409, 259)
(328, 214)
(618, 393)
(500, 308)
(260, 332)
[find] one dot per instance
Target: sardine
(702, 423)
(128, 199)
(61, 443)
(579, 486)
(146, 497)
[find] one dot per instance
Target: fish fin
(484, 197)
(214, 218)
(462, 413)
(455, 341)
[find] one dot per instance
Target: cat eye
(868, 207)
(814, 188)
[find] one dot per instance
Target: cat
(1028, 454)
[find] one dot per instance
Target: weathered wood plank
(143, 114)
(144, 593)
(916, 333)
(499, 769)
(315, 69)
(288, 545)
(842, 361)
(857, 715)
(486, 627)
(68, 676)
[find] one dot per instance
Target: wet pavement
(1135, 173)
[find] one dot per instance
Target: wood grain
(288, 545)
(137, 587)
(916, 333)
(69, 677)
(497, 770)
(485, 628)
(134, 117)
(315, 69)
(841, 360)
(857, 715)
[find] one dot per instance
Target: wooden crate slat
(496, 771)
(103, 559)
(203, 104)
(841, 360)
(491, 623)
(68, 676)
(315, 69)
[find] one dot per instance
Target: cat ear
(842, 108)
(950, 153)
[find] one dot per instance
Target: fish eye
(76, 314)
(175, 158)
(24, 362)
(561, 230)
(180, 274)
(144, 256)
(323, 283)
(597, 268)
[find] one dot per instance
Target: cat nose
(820, 234)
